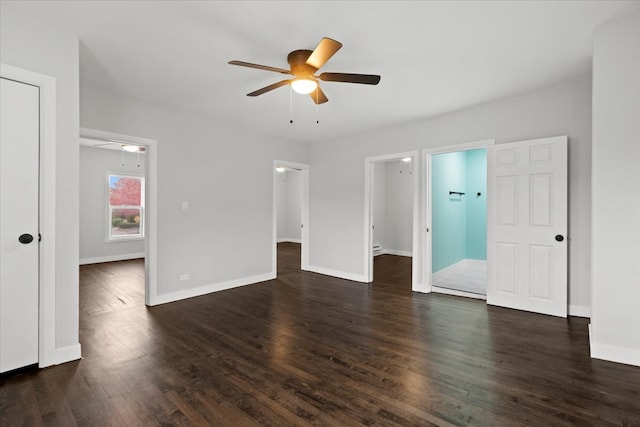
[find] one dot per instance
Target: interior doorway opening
(459, 221)
(118, 214)
(290, 215)
(455, 218)
(392, 217)
(391, 211)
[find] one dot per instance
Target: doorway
(455, 217)
(290, 215)
(123, 231)
(112, 225)
(458, 198)
(391, 210)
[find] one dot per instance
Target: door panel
(527, 208)
(19, 147)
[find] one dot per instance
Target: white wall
(392, 207)
(289, 205)
(616, 205)
(398, 230)
(95, 164)
(34, 46)
(337, 187)
(225, 239)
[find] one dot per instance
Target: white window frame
(109, 238)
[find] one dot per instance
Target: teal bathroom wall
(458, 223)
(449, 213)
(476, 208)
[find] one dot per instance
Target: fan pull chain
(317, 105)
(291, 104)
(123, 155)
(138, 156)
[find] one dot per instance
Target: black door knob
(25, 239)
(559, 237)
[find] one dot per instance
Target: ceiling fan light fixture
(303, 85)
(131, 148)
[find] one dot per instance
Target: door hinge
(39, 237)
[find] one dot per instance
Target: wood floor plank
(307, 349)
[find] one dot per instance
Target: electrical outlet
(184, 276)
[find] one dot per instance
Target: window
(126, 208)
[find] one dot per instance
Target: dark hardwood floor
(309, 349)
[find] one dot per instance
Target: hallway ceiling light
(132, 148)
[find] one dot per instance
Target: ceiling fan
(304, 64)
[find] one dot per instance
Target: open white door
(527, 225)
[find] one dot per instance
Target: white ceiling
(434, 57)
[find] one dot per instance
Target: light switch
(185, 206)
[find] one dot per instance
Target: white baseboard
(613, 353)
(289, 240)
(395, 252)
(446, 291)
(207, 289)
(579, 310)
(64, 355)
(111, 258)
(337, 273)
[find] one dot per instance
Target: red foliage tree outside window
(125, 206)
(124, 191)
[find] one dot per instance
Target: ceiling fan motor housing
(298, 62)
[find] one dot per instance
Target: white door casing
(19, 172)
(527, 225)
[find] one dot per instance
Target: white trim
(454, 292)
(66, 354)
(111, 258)
(47, 208)
(421, 287)
(579, 310)
(304, 232)
(613, 353)
(289, 240)
(337, 273)
(369, 163)
(214, 287)
(151, 202)
(426, 197)
(396, 252)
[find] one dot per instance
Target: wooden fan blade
(269, 88)
(260, 67)
(321, 54)
(366, 79)
(318, 96)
